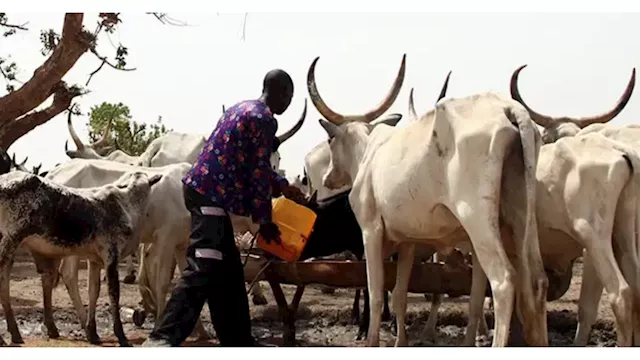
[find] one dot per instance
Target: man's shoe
(150, 342)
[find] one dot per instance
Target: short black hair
(276, 81)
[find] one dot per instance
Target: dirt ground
(323, 319)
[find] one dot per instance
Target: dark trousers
(218, 280)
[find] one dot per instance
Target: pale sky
(579, 65)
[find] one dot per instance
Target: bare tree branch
(104, 61)
(165, 19)
(12, 27)
(19, 27)
(73, 43)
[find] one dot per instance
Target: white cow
(54, 221)
(464, 247)
(620, 273)
(433, 180)
(316, 165)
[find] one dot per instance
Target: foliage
(127, 134)
(62, 49)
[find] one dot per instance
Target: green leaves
(126, 134)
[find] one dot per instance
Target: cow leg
(486, 240)
(373, 247)
(590, 293)
(94, 293)
(626, 252)
(69, 272)
(355, 310)
(363, 329)
(162, 271)
(399, 296)
(618, 290)
(429, 331)
(5, 298)
(130, 278)
(483, 328)
(476, 301)
(113, 284)
(48, 273)
(364, 321)
(386, 313)
(198, 331)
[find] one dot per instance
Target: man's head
(277, 90)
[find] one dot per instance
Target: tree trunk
(46, 81)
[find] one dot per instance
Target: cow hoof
(17, 339)
(53, 333)
(129, 279)
(125, 344)
(94, 339)
(259, 300)
(362, 334)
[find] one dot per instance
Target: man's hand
(270, 232)
(293, 193)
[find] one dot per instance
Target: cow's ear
(332, 129)
(155, 179)
(391, 120)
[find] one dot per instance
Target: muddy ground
(323, 320)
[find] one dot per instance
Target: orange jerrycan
(295, 223)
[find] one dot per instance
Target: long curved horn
(443, 91)
(316, 99)
(73, 134)
(104, 140)
(542, 120)
(24, 162)
(287, 135)
(369, 116)
(412, 108)
(391, 96)
(545, 120)
(609, 115)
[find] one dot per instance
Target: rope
(259, 273)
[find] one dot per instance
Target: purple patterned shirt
(233, 168)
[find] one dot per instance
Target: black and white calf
(100, 224)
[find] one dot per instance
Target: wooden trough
(425, 278)
(434, 278)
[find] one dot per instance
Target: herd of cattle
(474, 174)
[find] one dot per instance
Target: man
(232, 175)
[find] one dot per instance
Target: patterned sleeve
(277, 183)
(261, 134)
